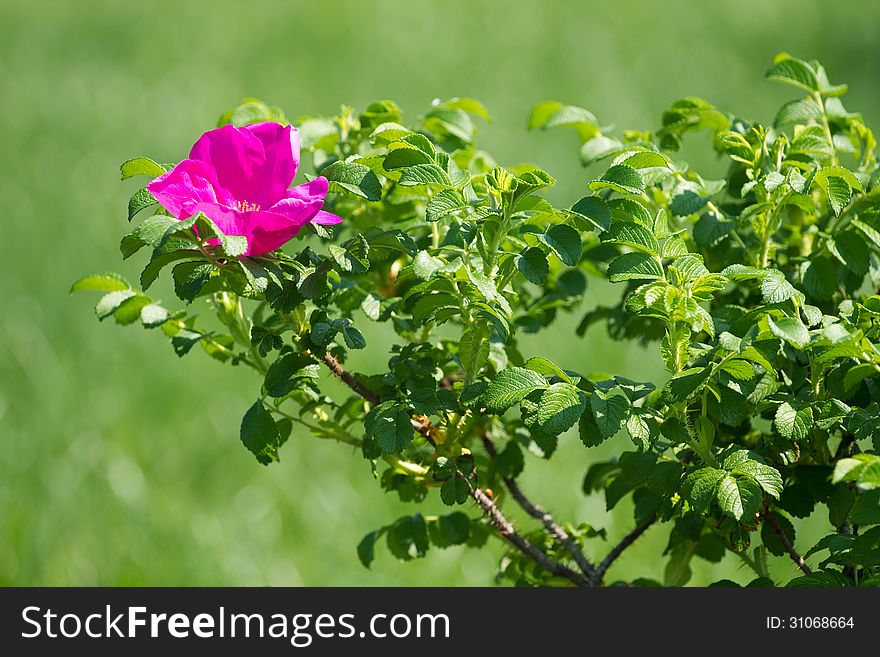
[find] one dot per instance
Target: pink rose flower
(239, 178)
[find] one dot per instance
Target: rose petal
(326, 218)
(267, 231)
(281, 148)
(237, 157)
(187, 185)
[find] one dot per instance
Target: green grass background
(119, 463)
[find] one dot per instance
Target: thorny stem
(536, 512)
(792, 552)
(618, 549)
(496, 517)
(509, 533)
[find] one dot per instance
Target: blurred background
(119, 463)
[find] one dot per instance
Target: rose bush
(757, 288)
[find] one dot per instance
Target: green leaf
(153, 315)
(609, 411)
(454, 491)
(473, 350)
(425, 174)
(621, 179)
(444, 203)
(451, 529)
(285, 374)
(796, 72)
(632, 234)
(699, 487)
(510, 386)
(595, 210)
(767, 477)
(140, 200)
(532, 263)
(863, 469)
(565, 242)
(141, 166)
(159, 262)
(366, 549)
(839, 193)
(553, 114)
(111, 301)
(634, 266)
(559, 408)
(686, 383)
(547, 368)
(791, 330)
(390, 426)
(510, 461)
(775, 288)
(259, 433)
(106, 282)
(739, 497)
(129, 311)
(355, 178)
(792, 423)
(151, 232)
(797, 111)
(401, 158)
(190, 278)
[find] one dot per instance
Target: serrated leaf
(355, 178)
(699, 487)
(106, 282)
(767, 477)
(454, 491)
(797, 111)
(559, 408)
(444, 203)
(424, 174)
(621, 179)
(739, 497)
(111, 301)
(791, 330)
(259, 433)
(565, 243)
(634, 235)
(793, 423)
(609, 412)
(532, 263)
(140, 200)
(686, 383)
(390, 426)
(775, 288)
(595, 210)
(141, 166)
(510, 386)
(795, 72)
(634, 266)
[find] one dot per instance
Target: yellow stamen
(247, 206)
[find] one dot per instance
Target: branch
(509, 533)
(423, 426)
(794, 554)
(618, 549)
(536, 512)
(349, 380)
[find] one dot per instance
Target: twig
(509, 533)
(793, 553)
(505, 527)
(537, 512)
(618, 549)
(349, 380)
